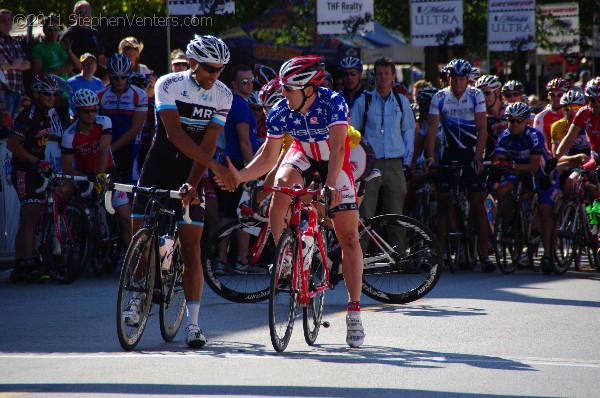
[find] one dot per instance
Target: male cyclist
(317, 120)
(30, 133)
(496, 122)
(579, 153)
(351, 70)
(85, 150)
(553, 112)
(521, 149)
(126, 106)
(191, 108)
(461, 111)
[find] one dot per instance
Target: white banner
(436, 23)
(344, 16)
(511, 25)
(201, 7)
(561, 24)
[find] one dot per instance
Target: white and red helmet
(592, 88)
(270, 93)
(558, 84)
(302, 71)
(44, 83)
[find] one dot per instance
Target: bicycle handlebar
(165, 193)
(576, 170)
(54, 175)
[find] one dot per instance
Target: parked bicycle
(106, 237)
(63, 237)
(152, 269)
(572, 236)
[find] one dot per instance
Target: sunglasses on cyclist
(289, 88)
(247, 81)
(212, 69)
(50, 93)
(119, 77)
(516, 120)
(88, 111)
(513, 94)
(352, 74)
(572, 108)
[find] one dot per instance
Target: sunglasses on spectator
(350, 74)
(247, 81)
(120, 77)
(212, 69)
(129, 48)
(516, 120)
(513, 94)
(88, 110)
(573, 108)
(50, 93)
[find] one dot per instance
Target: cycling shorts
(305, 166)
(25, 181)
(470, 180)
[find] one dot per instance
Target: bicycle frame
(297, 206)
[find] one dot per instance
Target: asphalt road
(474, 335)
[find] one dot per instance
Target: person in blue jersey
(522, 149)
(191, 108)
(461, 111)
(317, 120)
(85, 79)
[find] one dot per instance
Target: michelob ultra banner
(561, 24)
(344, 16)
(436, 23)
(511, 25)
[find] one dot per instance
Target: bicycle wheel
(401, 272)
(247, 288)
(283, 293)
(509, 235)
(312, 314)
(566, 235)
(136, 288)
(67, 260)
(172, 305)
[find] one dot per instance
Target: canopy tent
(383, 42)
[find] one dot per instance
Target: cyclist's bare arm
(67, 165)
(15, 145)
(263, 161)
(481, 125)
(198, 153)
(432, 124)
(337, 142)
(105, 143)
(139, 117)
(568, 140)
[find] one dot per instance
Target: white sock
(192, 309)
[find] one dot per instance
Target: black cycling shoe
(547, 267)
(487, 265)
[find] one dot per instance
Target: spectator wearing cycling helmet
(191, 109)
(496, 122)
(553, 112)
(388, 124)
(262, 75)
(27, 142)
(127, 107)
(85, 79)
(587, 118)
(461, 111)
(317, 120)
(521, 150)
(85, 150)
(351, 70)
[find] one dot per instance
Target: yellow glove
(354, 135)
(100, 179)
